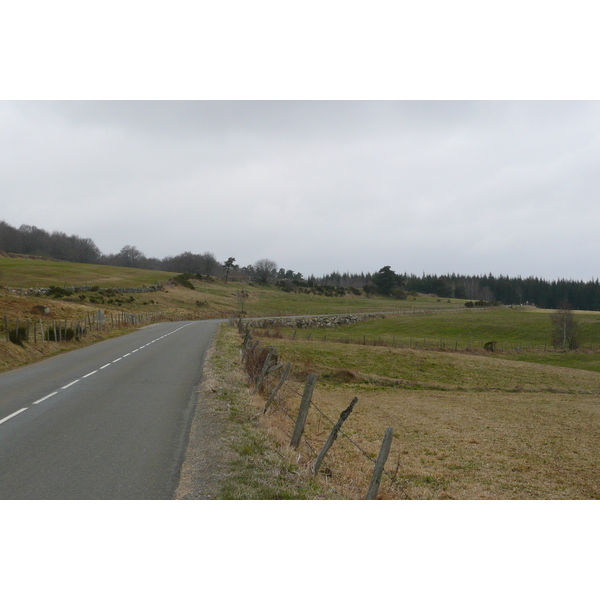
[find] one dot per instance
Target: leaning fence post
(303, 412)
(263, 372)
(332, 436)
(284, 376)
(380, 463)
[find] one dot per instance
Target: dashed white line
(45, 397)
(13, 415)
(64, 387)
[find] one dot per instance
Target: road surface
(109, 421)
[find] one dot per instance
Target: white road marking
(45, 397)
(91, 373)
(64, 387)
(13, 415)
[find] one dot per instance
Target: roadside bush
(17, 336)
(64, 335)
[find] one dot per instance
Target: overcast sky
(440, 186)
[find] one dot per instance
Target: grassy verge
(259, 467)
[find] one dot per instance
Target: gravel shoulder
(204, 468)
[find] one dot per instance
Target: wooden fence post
(380, 463)
(6, 332)
(303, 412)
(332, 437)
(284, 376)
(263, 372)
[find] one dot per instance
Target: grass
(508, 327)
(522, 335)
(466, 426)
(259, 469)
(270, 301)
(21, 273)
(215, 298)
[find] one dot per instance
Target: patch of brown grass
(477, 427)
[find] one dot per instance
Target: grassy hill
(22, 273)
(206, 299)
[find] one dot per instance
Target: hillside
(21, 280)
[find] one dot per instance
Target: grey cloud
(506, 187)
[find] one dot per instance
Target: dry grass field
(465, 426)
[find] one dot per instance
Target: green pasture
(357, 365)
(520, 334)
(21, 273)
(511, 328)
(268, 300)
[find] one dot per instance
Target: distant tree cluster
(510, 290)
(32, 240)
(487, 289)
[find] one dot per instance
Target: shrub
(17, 336)
(64, 335)
(184, 281)
(58, 292)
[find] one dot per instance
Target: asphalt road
(109, 421)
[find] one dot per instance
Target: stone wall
(310, 322)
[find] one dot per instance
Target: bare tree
(265, 269)
(565, 327)
(209, 263)
(130, 256)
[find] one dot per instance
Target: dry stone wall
(311, 322)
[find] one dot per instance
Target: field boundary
(272, 380)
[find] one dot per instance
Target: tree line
(581, 295)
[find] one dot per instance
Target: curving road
(109, 421)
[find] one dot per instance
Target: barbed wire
(393, 478)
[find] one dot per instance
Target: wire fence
(422, 343)
(272, 379)
(43, 329)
